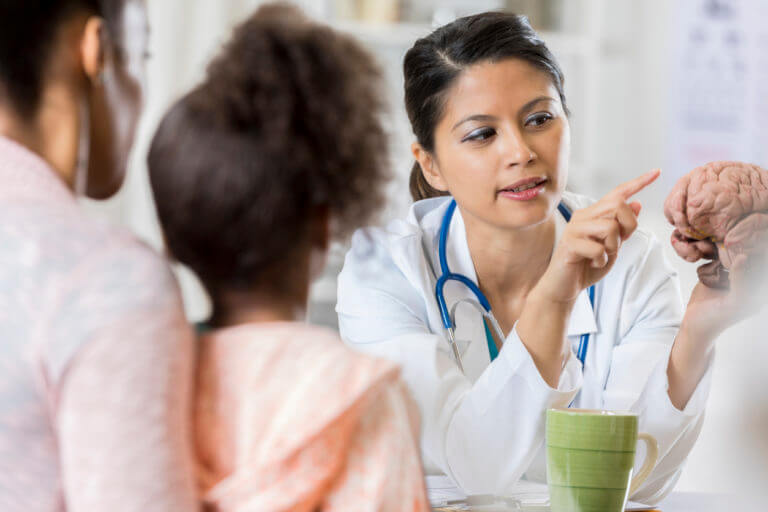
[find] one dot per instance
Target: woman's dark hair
(28, 32)
(285, 124)
(434, 63)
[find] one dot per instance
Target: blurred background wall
(656, 83)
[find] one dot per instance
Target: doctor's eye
(479, 135)
(539, 119)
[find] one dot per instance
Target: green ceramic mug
(590, 455)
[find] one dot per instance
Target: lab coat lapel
(582, 321)
(470, 333)
(582, 318)
(469, 321)
(419, 260)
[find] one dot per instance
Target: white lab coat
(486, 430)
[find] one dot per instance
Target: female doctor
(485, 100)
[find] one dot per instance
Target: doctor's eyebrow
(487, 117)
(475, 117)
(528, 106)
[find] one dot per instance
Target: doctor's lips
(525, 189)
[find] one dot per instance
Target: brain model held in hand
(719, 211)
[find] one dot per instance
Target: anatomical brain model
(719, 211)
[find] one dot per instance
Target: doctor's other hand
(591, 241)
(710, 311)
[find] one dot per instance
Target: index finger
(632, 187)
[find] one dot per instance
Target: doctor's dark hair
(285, 126)
(435, 62)
(29, 32)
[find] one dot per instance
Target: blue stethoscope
(482, 304)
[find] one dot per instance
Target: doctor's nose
(516, 151)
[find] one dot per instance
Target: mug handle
(651, 456)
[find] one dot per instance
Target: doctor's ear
(429, 167)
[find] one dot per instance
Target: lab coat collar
(429, 214)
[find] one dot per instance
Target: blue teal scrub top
(491, 343)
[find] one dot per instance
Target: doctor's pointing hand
(591, 241)
(586, 252)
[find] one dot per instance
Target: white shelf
(403, 35)
(561, 44)
(386, 34)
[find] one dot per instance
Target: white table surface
(706, 502)
(677, 502)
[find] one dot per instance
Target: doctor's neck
(509, 261)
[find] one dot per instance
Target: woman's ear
(93, 49)
(429, 167)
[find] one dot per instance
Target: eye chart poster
(719, 86)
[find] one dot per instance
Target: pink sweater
(289, 418)
(95, 357)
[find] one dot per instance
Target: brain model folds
(719, 210)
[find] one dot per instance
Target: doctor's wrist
(697, 333)
(540, 298)
(688, 361)
(542, 327)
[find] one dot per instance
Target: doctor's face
(502, 146)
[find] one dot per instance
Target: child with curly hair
(277, 152)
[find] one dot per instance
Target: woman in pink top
(95, 356)
(278, 151)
